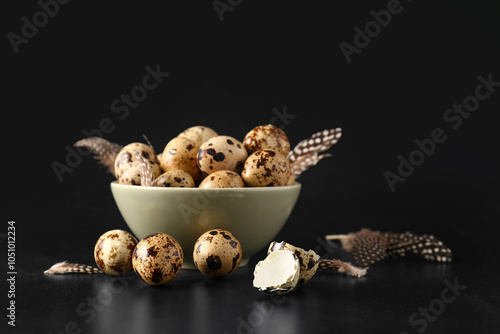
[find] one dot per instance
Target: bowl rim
(173, 189)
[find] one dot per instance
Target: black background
(230, 75)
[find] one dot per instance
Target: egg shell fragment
(279, 272)
(221, 153)
(180, 153)
(175, 178)
(126, 166)
(308, 260)
(267, 137)
(217, 253)
(157, 259)
(198, 134)
(223, 179)
(113, 252)
(265, 169)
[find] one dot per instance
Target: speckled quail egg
(291, 180)
(221, 153)
(157, 259)
(130, 175)
(223, 179)
(175, 178)
(113, 252)
(217, 253)
(267, 137)
(198, 134)
(126, 160)
(265, 169)
(180, 153)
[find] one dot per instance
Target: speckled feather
(341, 267)
(305, 161)
(147, 176)
(369, 247)
(103, 150)
(307, 152)
(71, 268)
(151, 147)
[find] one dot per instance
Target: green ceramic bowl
(253, 215)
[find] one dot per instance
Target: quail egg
(130, 175)
(175, 178)
(267, 137)
(180, 153)
(126, 168)
(265, 169)
(217, 253)
(221, 153)
(157, 259)
(113, 252)
(223, 179)
(198, 134)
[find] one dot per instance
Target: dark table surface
(281, 63)
(409, 295)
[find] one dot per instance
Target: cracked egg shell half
(266, 168)
(308, 260)
(223, 179)
(126, 166)
(157, 259)
(180, 153)
(198, 134)
(279, 272)
(221, 153)
(217, 253)
(267, 137)
(113, 252)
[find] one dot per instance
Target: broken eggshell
(308, 260)
(279, 272)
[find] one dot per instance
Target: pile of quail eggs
(157, 259)
(199, 157)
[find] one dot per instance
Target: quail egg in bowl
(253, 215)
